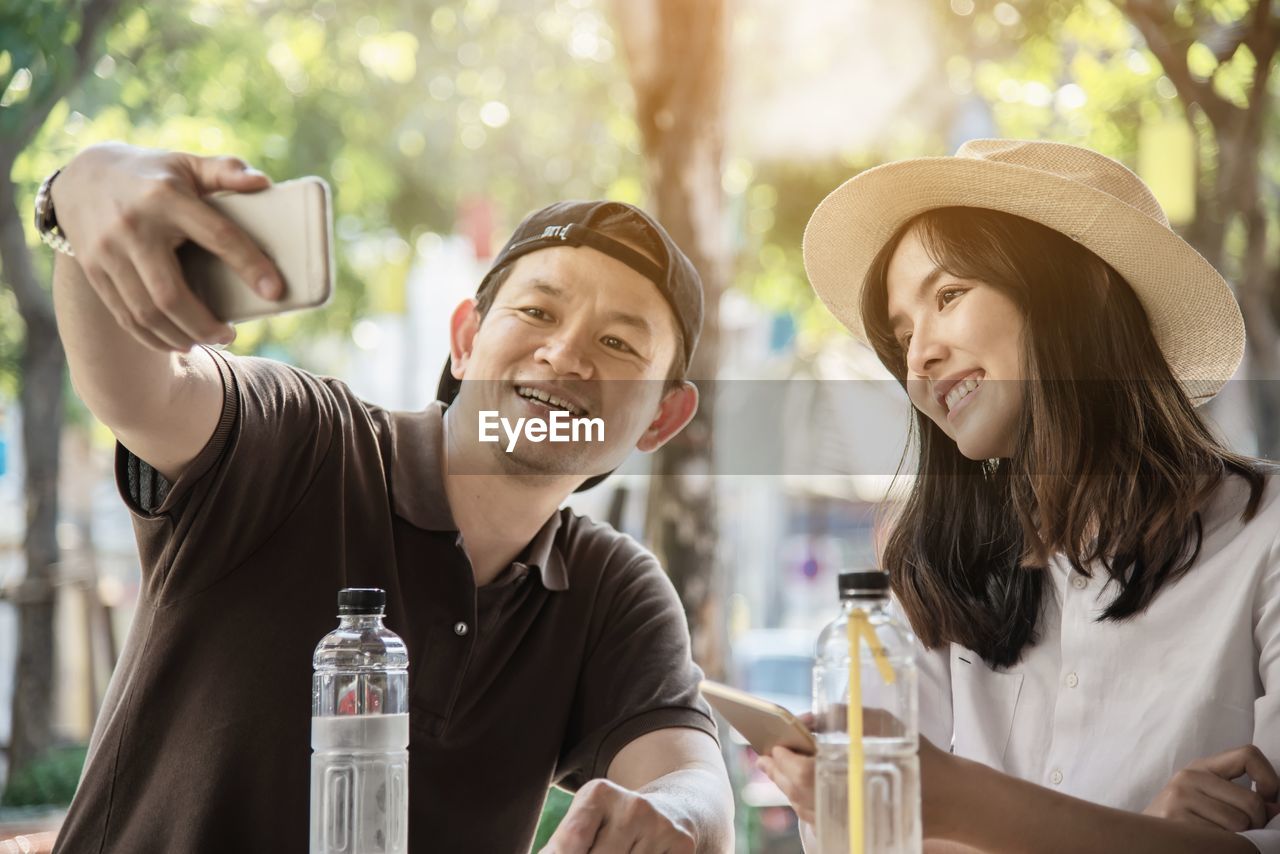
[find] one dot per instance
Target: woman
(1094, 578)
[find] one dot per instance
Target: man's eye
(535, 312)
(617, 344)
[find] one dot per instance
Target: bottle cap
(867, 584)
(361, 600)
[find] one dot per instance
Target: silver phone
(293, 225)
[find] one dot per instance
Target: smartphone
(763, 724)
(293, 225)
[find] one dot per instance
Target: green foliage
(11, 337)
(408, 109)
(774, 210)
(51, 779)
(1074, 72)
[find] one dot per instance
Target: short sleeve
(640, 677)
(276, 426)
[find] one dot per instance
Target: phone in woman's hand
(763, 724)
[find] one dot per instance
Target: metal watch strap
(47, 218)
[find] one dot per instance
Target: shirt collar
(418, 496)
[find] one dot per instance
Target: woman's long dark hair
(1112, 464)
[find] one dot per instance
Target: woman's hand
(125, 210)
(1202, 793)
(793, 773)
(942, 785)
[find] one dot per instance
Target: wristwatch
(47, 218)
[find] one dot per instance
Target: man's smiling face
(570, 329)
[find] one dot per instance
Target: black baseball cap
(575, 223)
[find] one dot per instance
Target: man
(543, 647)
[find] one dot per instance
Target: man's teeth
(960, 391)
(549, 399)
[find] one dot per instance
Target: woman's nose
(925, 351)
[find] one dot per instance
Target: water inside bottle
(359, 781)
(891, 786)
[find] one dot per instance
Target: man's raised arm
(127, 318)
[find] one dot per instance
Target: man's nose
(566, 354)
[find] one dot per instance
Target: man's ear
(463, 326)
(677, 408)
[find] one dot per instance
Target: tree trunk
(676, 57)
(41, 399)
(40, 396)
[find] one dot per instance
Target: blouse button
(460, 629)
(1079, 582)
(1072, 680)
(1056, 777)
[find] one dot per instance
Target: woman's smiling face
(962, 341)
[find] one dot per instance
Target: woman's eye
(946, 296)
(617, 344)
(904, 342)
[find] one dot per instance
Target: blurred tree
(676, 58)
(1097, 72)
(45, 49)
(1220, 56)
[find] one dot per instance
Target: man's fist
(605, 818)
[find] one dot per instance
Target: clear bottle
(360, 732)
(890, 742)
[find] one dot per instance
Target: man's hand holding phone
(127, 210)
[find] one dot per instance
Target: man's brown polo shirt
(203, 741)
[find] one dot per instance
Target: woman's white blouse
(1110, 711)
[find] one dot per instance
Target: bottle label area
(360, 733)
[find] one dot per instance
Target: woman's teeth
(960, 391)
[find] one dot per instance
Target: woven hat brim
(1194, 316)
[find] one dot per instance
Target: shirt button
(1056, 777)
(1079, 582)
(460, 628)
(1072, 680)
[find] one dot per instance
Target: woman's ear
(676, 409)
(463, 326)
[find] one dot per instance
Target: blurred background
(439, 123)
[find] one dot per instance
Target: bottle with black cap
(360, 732)
(878, 681)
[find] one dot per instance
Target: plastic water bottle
(890, 742)
(360, 732)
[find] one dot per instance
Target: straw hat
(1091, 198)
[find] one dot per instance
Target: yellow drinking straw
(860, 630)
(853, 716)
